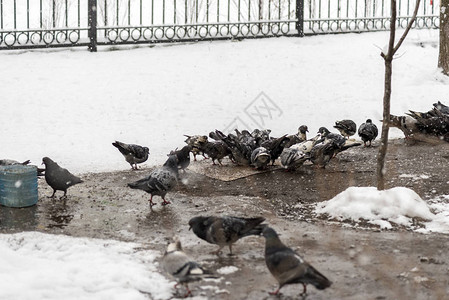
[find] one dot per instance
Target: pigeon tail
(317, 279)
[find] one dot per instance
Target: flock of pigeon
(256, 149)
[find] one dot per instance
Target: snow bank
(42, 266)
(397, 205)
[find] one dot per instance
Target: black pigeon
(160, 181)
(59, 179)
(134, 154)
(300, 137)
(181, 267)
(197, 143)
(368, 132)
(216, 150)
(260, 158)
(183, 156)
(275, 146)
(224, 231)
(288, 267)
(347, 128)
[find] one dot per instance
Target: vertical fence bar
(116, 14)
(40, 14)
(28, 14)
(66, 14)
(141, 9)
(174, 11)
(249, 10)
(269, 9)
(79, 14)
(196, 11)
(1, 14)
(218, 11)
(185, 11)
(163, 11)
(279, 10)
(54, 13)
(300, 17)
(152, 12)
(92, 24)
(129, 12)
(105, 13)
(238, 11)
(229, 10)
(15, 15)
(207, 11)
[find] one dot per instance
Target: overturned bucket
(18, 186)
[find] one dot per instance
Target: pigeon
(300, 137)
(442, 108)
(347, 128)
(183, 156)
(433, 123)
(181, 267)
(368, 132)
(275, 146)
(196, 142)
(337, 139)
(288, 267)
(59, 179)
(322, 153)
(406, 124)
(11, 162)
(241, 150)
(134, 154)
(160, 181)
(260, 158)
(292, 158)
(224, 231)
(216, 150)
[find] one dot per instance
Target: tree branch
(409, 26)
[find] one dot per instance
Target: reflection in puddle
(60, 214)
(18, 219)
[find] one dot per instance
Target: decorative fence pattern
(64, 23)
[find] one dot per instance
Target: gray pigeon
(10, 162)
(183, 156)
(134, 154)
(288, 267)
(59, 179)
(224, 231)
(292, 158)
(181, 267)
(368, 132)
(260, 158)
(347, 128)
(160, 181)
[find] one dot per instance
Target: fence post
(92, 24)
(300, 17)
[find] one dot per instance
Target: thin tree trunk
(443, 59)
(388, 57)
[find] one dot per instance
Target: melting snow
(42, 266)
(397, 205)
(227, 270)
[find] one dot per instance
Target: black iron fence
(63, 23)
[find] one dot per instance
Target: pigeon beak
(190, 227)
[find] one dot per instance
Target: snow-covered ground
(70, 105)
(44, 266)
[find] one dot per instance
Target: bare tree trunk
(388, 57)
(443, 60)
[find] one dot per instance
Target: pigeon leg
(276, 292)
(64, 196)
(304, 291)
(52, 195)
(189, 292)
(151, 201)
(213, 162)
(194, 157)
(165, 202)
(218, 252)
(219, 162)
(230, 250)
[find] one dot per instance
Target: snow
(397, 205)
(227, 270)
(70, 104)
(43, 266)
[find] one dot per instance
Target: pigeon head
(369, 121)
(303, 129)
(197, 221)
(323, 131)
(47, 161)
(174, 245)
(269, 232)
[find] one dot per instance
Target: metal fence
(63, 23)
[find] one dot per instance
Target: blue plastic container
(18, 186)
